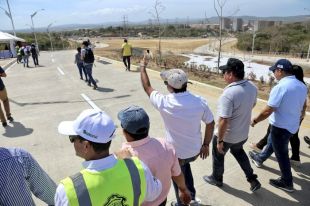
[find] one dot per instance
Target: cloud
(117, 11)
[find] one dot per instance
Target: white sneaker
(254, 147)
(195, 202)
(295, 163)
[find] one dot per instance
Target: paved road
(42, 97)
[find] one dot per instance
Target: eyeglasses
(72, 138)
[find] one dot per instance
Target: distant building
(259, 24)
(205, 26)
(226, 23)
(237, 24)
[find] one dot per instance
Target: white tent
(6, 37)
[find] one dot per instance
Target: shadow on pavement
(16, 130)
(302, 182)
(262, 197)
(102, 89)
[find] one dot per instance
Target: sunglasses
(72, 138)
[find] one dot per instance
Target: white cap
(176, 78)
(93, 125)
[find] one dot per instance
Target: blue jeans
(82, 69)
(188, 176)
(89, 68)
(278, 143)
(239, 154)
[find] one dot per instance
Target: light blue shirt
(287, 98)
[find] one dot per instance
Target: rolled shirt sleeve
(153, 185)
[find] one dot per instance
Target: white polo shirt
(287, 98)
(182, 114)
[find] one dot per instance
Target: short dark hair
(125, 40)
(79, 49)
(183, 89)
(85, 43)
(144, 133)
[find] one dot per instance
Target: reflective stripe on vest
(82, 191)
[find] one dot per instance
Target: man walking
(285, 105)
(126, 53)
(34, 53)
(87, 56)
(5, 101)
(234, 113)
(104, 180)
(135, 123)
(182, 113)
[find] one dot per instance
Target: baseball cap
(134, 120)
(176, 78)
(92, 125)
(282, 64)
(233, 64)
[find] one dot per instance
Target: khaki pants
(6, 105)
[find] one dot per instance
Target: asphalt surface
(42, 97)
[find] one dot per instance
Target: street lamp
(9, 14)
(31, 16)
(49, 34)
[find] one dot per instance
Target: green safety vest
(123, 184)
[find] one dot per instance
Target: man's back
(126, 49)
(160, 157)
(20, 175)
(182, 114)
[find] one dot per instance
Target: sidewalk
(5, 63)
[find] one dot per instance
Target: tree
(218, 7)
(158, 9)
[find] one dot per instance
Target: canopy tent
(6, 37)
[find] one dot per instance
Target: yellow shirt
(126, 49)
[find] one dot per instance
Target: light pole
(49, 34)
(31, 16)
(9, 14)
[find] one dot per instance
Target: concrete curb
(202, 84)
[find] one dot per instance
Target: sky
(61, 12)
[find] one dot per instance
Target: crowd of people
(136, 174)
(24, 52)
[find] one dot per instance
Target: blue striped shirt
(20, 175)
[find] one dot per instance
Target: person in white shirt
(182, 113)
(128, 181)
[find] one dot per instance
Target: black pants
(294, 141)
(126, 60)
(239, 154)
(35, 60)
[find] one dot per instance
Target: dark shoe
(89, 84)
(86, 80)
(254, 160)
(95, 87)
(278, 183)
(81, 78)
(10, 118)
(174, 203)
(307, 140)
(255, 185)
(4, 124)
(212, 181)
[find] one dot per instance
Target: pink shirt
(160, 157)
